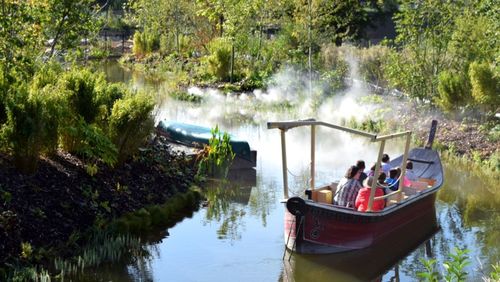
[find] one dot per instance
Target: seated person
(361, 166)
(393, 181)
(381, 181)
(409, 175)
(348, 188)
(371, 171)
(385, 164)
(363, 197)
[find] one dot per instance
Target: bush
(108, 95)
(82, 86)
(371, 64)
(485, 85)
(33, 122)
(335, 66)
(130, 123)
(219, 60)
(145, 43)
(94, 145)
(453, 91)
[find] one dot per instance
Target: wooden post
(375, 175)
(403, 166)
(313, 155)
(283, 159)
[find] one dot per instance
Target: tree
(424, 31)
(65, 22)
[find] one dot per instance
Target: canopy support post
(283, 159)
(403, 166)
(313, 155)
(375, 175)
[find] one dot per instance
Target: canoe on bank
(195, 136)
(314, 224)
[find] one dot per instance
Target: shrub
(219, 60)
(108, 95)
(485, 85)
(371, 64)
(33, 122)
(82, 85)
(453, 91)
(81, 88)
(94, 144)
(145, 43)
(130, 123)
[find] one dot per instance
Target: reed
(102, 249)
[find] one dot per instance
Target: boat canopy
(284, 126)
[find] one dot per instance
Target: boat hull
(321, 229)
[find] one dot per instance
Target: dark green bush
(82, 86)
(453, 91)
(485, 85)
(219, 60)
(108, 95)
(145, 43)
(94, 144)
(131, 121)
(32, 125)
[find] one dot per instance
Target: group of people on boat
(354, 189)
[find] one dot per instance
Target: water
(239, 235)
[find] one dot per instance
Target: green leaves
(217, 156)
(131, 121)
(454, 268)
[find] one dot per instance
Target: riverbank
(61, 201)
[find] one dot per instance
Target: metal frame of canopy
(283, 126)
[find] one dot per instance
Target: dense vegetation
(445, 53)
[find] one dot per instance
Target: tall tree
(424, 32)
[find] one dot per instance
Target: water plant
(454, 269)
(215, 159)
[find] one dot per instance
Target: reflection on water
(238, 235)
(381, 261)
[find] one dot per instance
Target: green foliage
(130, 123)
(185, 96)
(485, 85)
(453, 91)
(335, 66)
(372, 62)
(108, 95)
(219, 60)
(430, 275)
(32, 125)
(145, 43)
(217, 157)
(94, 145)
(369, 125)
(454, 268)
(82, 86)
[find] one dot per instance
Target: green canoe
(196, 136)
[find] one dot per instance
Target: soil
(466, 138)
(61, 198)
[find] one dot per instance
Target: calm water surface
(238, 236)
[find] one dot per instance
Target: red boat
(318, 226)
